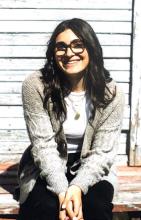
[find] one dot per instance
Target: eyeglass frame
(66, 46)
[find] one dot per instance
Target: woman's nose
(69, 52)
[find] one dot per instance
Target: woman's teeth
(73, 61)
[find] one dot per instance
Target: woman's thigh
(41, 204)
(97, 203)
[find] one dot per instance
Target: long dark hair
(56, 84)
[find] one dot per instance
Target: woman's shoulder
(33, 83)
(114, 88)
(33, 77)
(33, 80)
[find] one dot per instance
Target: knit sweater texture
(43, 158)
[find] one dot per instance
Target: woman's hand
(73, 203)
(62, 212)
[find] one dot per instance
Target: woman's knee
(98, 201)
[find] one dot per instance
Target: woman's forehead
(66, 36)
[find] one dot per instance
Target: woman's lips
(71, 63)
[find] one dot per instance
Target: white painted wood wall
(135, 131)
(25, 27)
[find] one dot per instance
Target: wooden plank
(19, 75)
(15, 87)
(14, 76)
(11, 218)
(10, 99)
(15, 99)
(23, 51)
(21, 64)
(124, 87)
(16, 147)
(9, 148)
(15, 158)
(10, 87)
(11, 111)
(6, 77)
(127, 208)
(63, 14)
(121, 160)
(130, 186)
(19, 123)
(40, 51)
(129, 197)
(67, 4)
(135, 134)
(12, 39)
(121, 76)
(117, 64)
(17, 112)
(12, 123)
(8, 204)
(21, 135)
(8, 165)
(116, 51)
(13, 135)
(39, 26)
(34, 64)
(16, 141)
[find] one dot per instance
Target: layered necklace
(76, 100)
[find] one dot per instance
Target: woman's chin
(72, 72)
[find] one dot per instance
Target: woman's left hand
(73, 202)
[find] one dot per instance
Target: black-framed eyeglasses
(76, 46)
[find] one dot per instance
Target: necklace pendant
(77, 116)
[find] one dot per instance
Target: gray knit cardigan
(43, 158)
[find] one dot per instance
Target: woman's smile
(71, 63)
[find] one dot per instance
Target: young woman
(73, 112)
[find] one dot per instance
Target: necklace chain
(76, 106)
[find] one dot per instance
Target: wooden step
(128, 198)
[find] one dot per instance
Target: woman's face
(70, 53)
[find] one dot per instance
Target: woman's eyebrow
(62, 42)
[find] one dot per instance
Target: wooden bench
(128, 199)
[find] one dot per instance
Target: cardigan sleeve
(44, 148)
(101, 156)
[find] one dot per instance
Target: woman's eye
(60, 46)
(78, 45)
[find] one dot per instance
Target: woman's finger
(62, 215)
(76, 206)
(69, 210)
(80, 214)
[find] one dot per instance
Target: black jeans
(42, 204)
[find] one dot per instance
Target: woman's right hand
(62, 211)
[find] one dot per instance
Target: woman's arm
(44, 148)
(104, 148)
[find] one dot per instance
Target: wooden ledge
(128, 198)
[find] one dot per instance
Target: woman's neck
(77, 82)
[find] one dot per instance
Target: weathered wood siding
(25, 27)
(135, 134)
